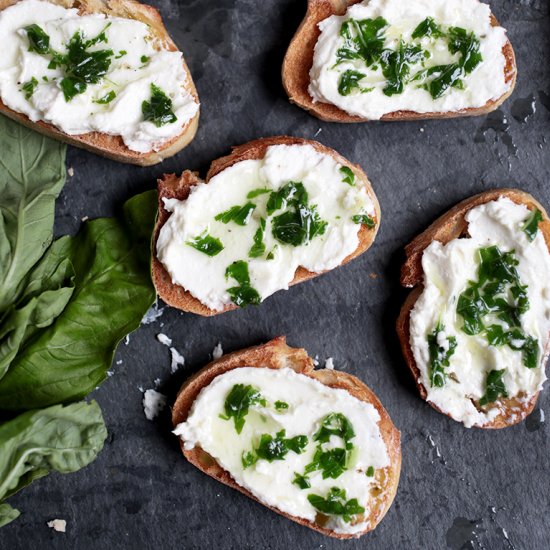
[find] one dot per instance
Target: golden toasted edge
(449, 226)
(299, 60)
(170, 186)
(113, 147)
(276, 354)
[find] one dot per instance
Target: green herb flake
(429, 28)
(370, 471)
(29, 88)
(159, 109)
(271, 255)
(257, 192)
(396, 66)
(335, 504)
(365, 219)
(495, 387)
(39, 41)
(363, 39)
(120, 54)
(440, 355)
(145, 58)
(349, 81)
(238, 402)
(211, 246)
(281, 405)
(244, 294)
(531, 224)
(239, 214)
(275, 448)
(348, 175)
(258, 248)
(301, 481)
(107, 98)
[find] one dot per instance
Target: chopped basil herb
(159, 109)
(145, 58)
(238, 402)
(281, 405)
(257, 192)
(107, 98)
(258, 248)
(446, 76)
(290, 194)
(301, 481)
(364, 219)
(349, 176)
(271, 255)
(349, 81)
(498, 292)
(275, 448)
(29, 87)
(440, 356)
(335, 504)
(242, 295)
(428, 27)
(39, 41)
(467, 45)
(396, 66)
(121, 53)
(495, 387)
(206, 244)
(370, 471)
(238, 214)
(363, 39)
(531, 224)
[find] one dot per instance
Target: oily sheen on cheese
(334, 202)
(308, 403)
(368, 99)
(448, 270)
(134, 66)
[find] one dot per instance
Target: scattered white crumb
(421, 129)
(59, 525)
(110, 373)
(217, 352)
(153, 403)
(119, 362)
(316, 360)
(127, 340)
(177, 359)
(317, 132)
(141, 389)
(157, 382)
(153, 313)
(84, 219)
(163, 339)
(329, 363)
(70, 171)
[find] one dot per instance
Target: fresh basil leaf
(112, 292)
(495, 387)
(238, 271)
(335, 504)
(349, 81)
(35, 443)
(29, 87)
(396, 66)
(298, 226)
(301, 481)
(239, 214)
(439, 356)
(531, 224)
(7, 514)
(348, 175)
(363, 39)
(364, 219)
(107, 98)
(293, 194)
(258, 248)
(39, 41)
(429, 28)
(496, 335)
(159, 109)
(467, 45)
(275, 448)
(335, 424)
(32, 173)
(238, 402)
(72, 87)
(242, 295)
(257, 192)
(211, 246)
(447, 76)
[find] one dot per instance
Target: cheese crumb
(153, 403)
(163, 339)
(177, 359)
(59, 525)
(329, 363)
(70, 171)
(217, 352)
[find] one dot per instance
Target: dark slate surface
(459, 488)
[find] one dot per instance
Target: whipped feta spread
(368, 98)
(32, 85)
(334, 202)
(448, 269)
(309, 402)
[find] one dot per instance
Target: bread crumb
(217, 352)
(70, 171)
(163, 339)
(177, 359)
(59, 525)
(329, 363)
(153, 403)
(373, 275)
(84, 219)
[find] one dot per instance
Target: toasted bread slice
(111, 146)
(299, 60)
(449, 226)
(170, 187)
(276, 354)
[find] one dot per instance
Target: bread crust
(449, 226)
(170, 186)
(110, 146)
(276, 354)
(299, 60)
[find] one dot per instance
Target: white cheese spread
(204, 276)
(368, 98)
(308, 404)
(448, 269)
(31, 85)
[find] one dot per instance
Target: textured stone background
(459, 488)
